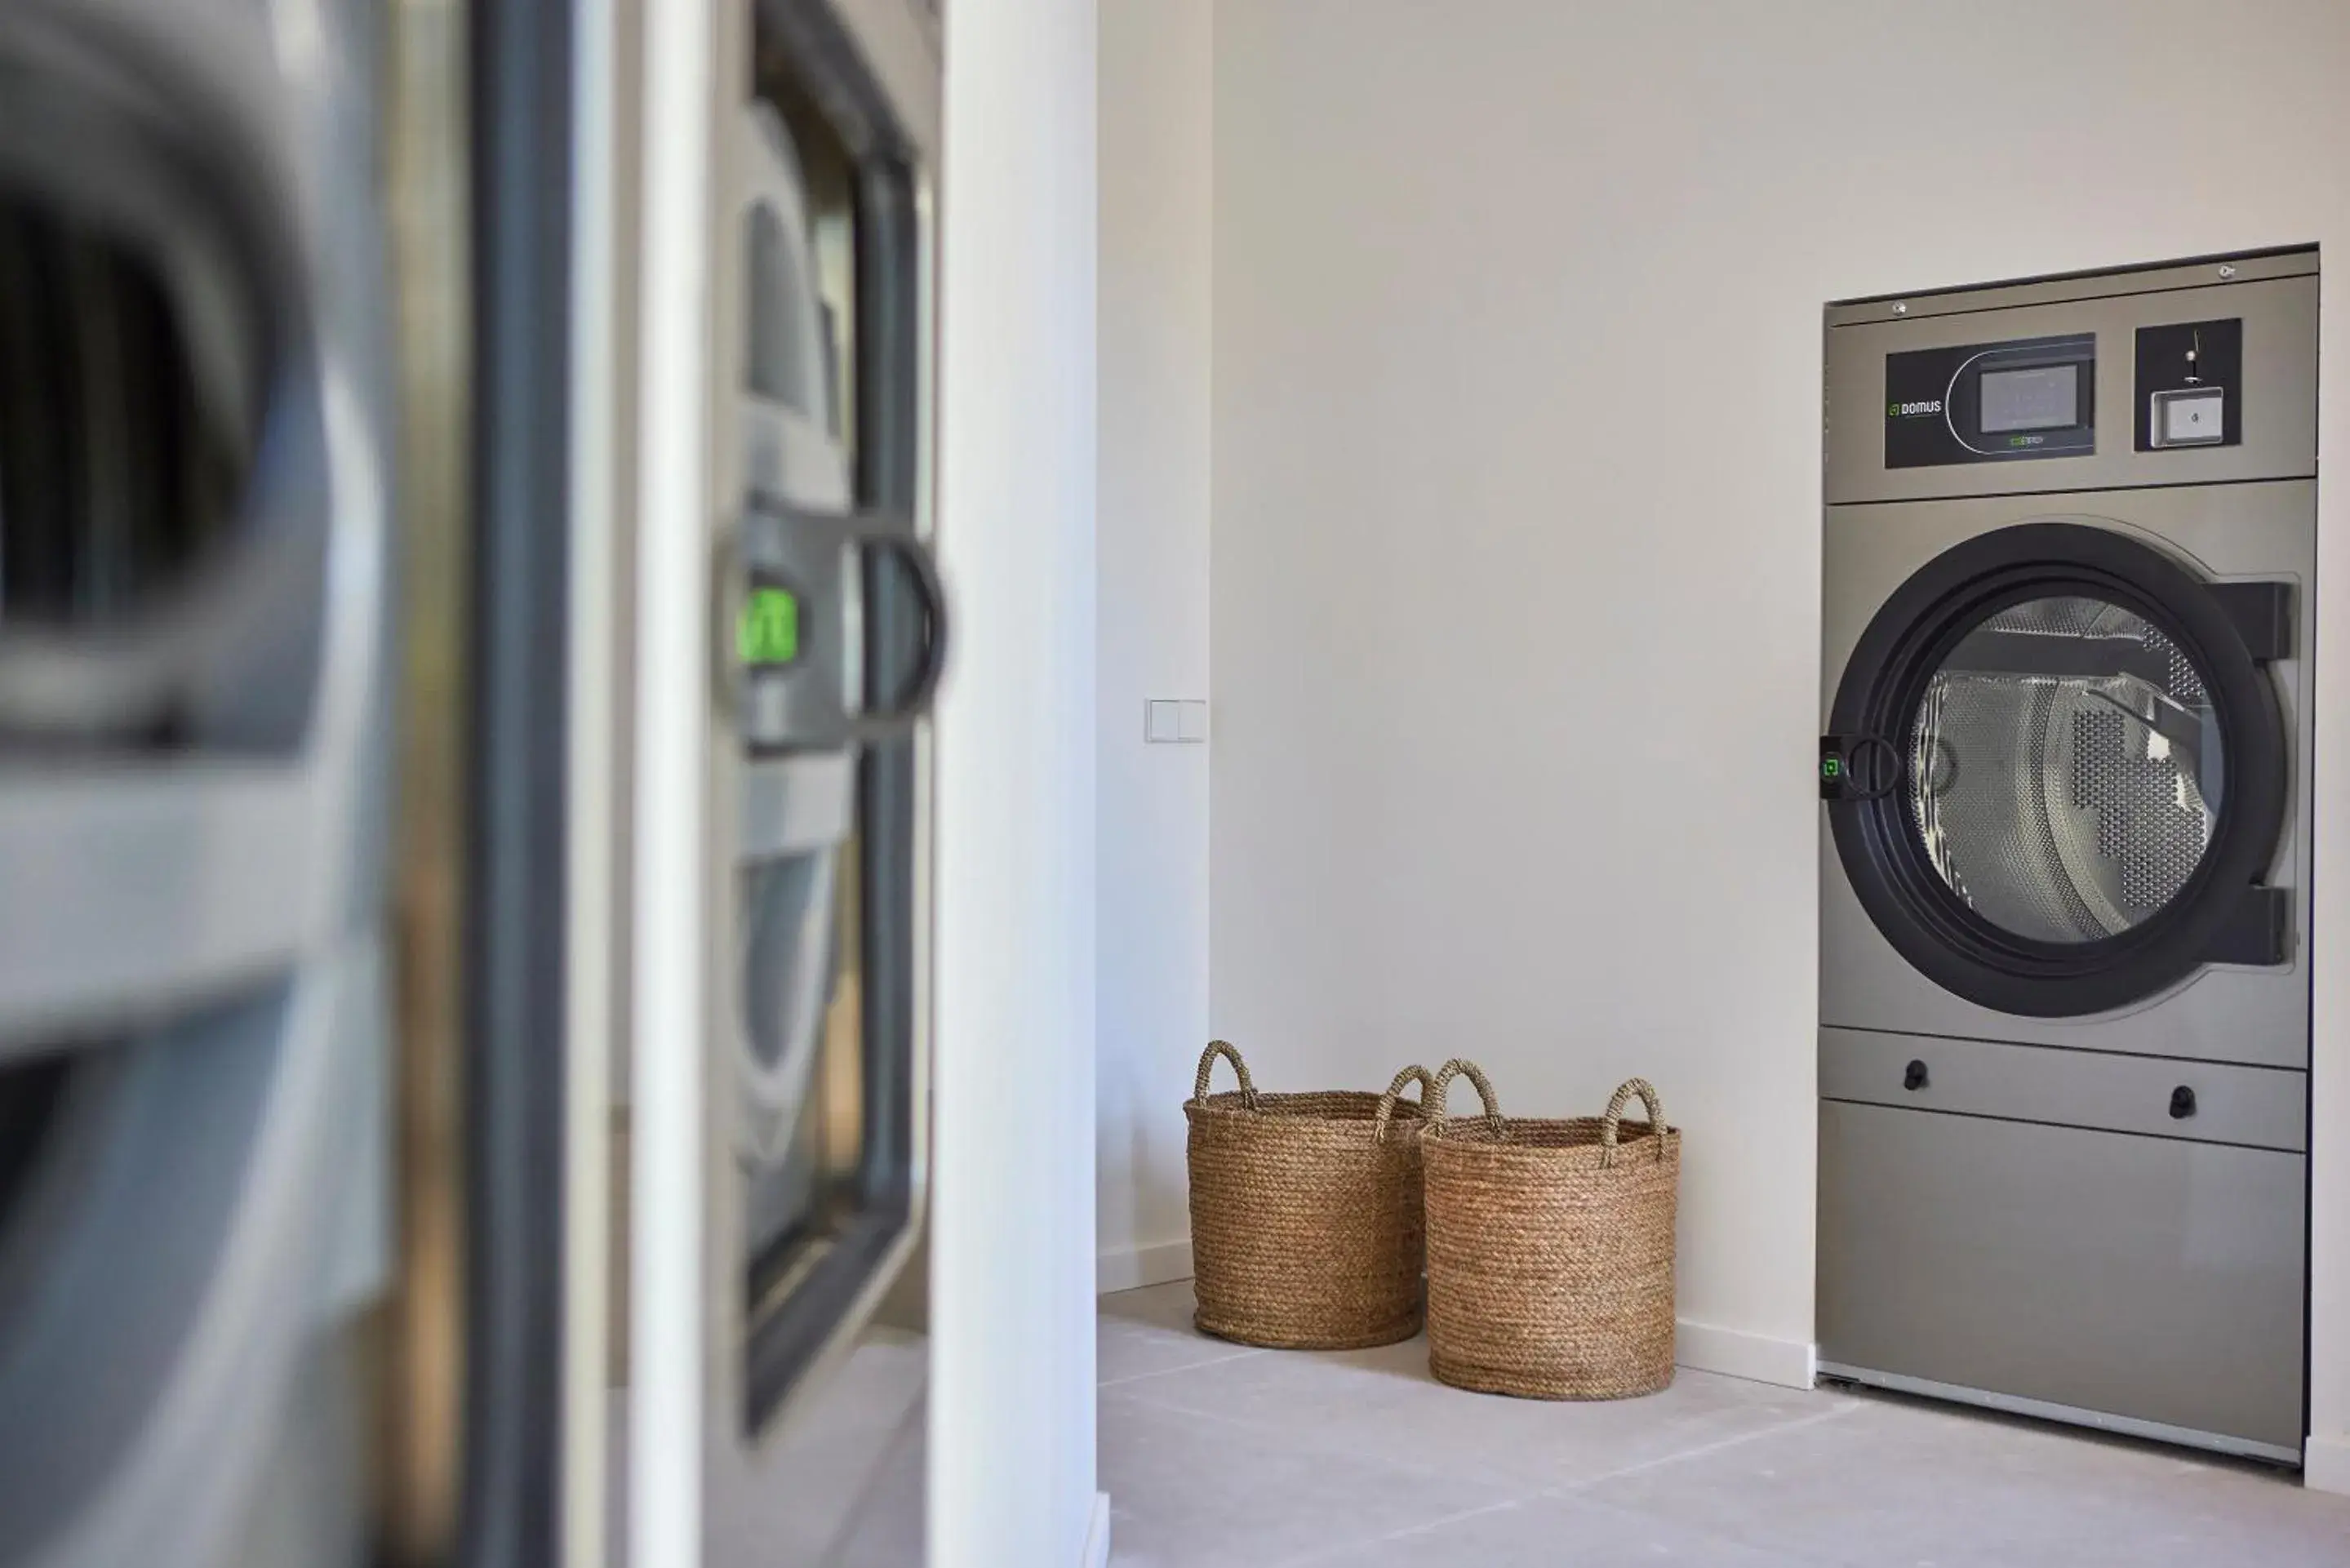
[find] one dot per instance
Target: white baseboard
(1789, 1363)
(1097, 1533)
(2326, 1463)
(1131, 1268)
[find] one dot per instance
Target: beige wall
(1516, 516)
(1152, 866)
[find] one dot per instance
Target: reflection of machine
(2064, 889)
(787, 306)
(797, 803)
(821, 762)
(193, 495)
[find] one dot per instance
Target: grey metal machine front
(192, 512)
(2070, 549)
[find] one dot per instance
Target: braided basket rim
(1551, 1135)
(1627, 1129)
(1359, 1106)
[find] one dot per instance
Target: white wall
(1516, 513)
(1156, 153)
(1012, 1231)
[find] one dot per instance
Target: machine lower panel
(2040, 1409)
(2260, 1107)
(2144, 1283)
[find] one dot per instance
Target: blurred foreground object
(194, 507)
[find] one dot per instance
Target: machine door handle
(1858, 767)
(783, 639)
(2182, 1103)
(1913, 1077)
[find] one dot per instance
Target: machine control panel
(2184, 373)
(2191, 384)
(1991, 402)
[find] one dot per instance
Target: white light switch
(1177, 722)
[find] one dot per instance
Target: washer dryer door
(2058, 773)
(191, 718)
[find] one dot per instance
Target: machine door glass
(2057, 770)
(2065, 769)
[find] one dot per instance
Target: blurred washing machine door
(778, 759)
(798, 802)
(193, 497)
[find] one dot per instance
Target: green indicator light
(1831, 767)
(769, 632)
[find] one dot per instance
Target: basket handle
(1388, 1100)
(1227, 1050)
(1444, 1076)
(1616, 1104)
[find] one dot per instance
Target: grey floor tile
(1382, 1406)
(1895, 1482)
(1541, 1531)
(1148, 1332)
(1193, 1490)
(1213, 1456)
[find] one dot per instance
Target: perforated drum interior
(2066, 768)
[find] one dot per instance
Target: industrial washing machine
(193, 494)
(2070, 540)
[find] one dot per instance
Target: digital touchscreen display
(2045, 398)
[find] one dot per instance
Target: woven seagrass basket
(1305, 1212)
(1550, 1247)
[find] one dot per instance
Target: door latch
(1858, 767)
(790, 629)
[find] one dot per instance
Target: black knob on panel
(2182, 1103)
(1914, 1075)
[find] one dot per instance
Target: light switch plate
(1167, 721)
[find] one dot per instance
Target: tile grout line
(1324, 1553)
(1702, 1449)
(1172, 1371)
(1214, 1417)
